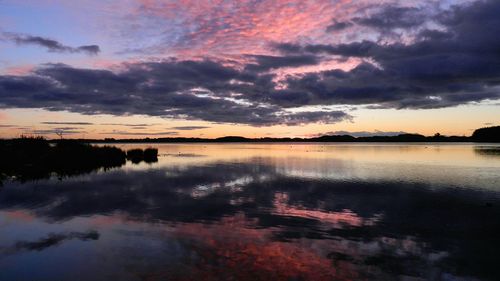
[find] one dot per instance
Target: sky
(254, 68)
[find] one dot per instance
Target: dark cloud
(58, 131)
(431, 34)
(338, 26)
(189, 128)
(263, 63)
(89, 49)
(364, 133)
(456, 65)
(52, 240)
(287, 48)
(390, 17)
(66, 123)
(129, 125)
(169, 133)
(197, 90)
(133, 126)
(50, 44)
(315, 116)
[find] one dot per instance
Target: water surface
(263, 212)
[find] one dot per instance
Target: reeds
(31, 158)
(137, 155)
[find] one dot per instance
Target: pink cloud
(19, 70)
(213, 28)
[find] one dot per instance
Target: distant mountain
(334, 138)
(232, 139)
(326, 138)
(487, 134)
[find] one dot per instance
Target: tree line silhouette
(488, 134)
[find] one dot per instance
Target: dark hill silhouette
(487, 134)
(231, 139)
(335, 138)
(326, 138)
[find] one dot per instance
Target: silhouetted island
(490, 134)
(26, 159)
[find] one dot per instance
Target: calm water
(263, 212)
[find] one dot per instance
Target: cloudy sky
(162, 68)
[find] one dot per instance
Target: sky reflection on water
(258, 211)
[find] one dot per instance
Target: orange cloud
(3, 116)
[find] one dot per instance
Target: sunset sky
(193, 68)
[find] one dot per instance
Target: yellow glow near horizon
(461, 121)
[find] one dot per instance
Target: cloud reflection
(393, 226)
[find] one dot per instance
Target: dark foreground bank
(36, 158)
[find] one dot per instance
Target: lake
(288, 211)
